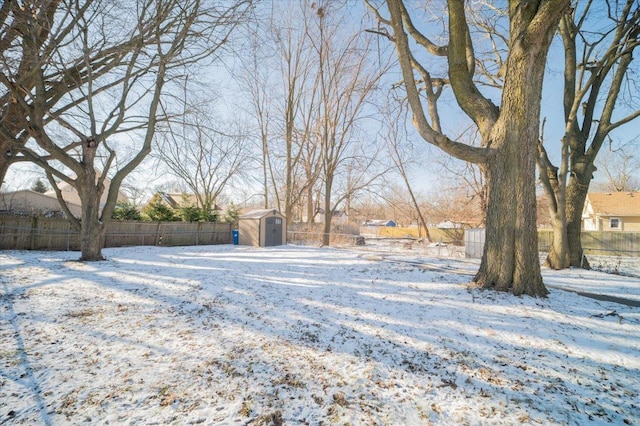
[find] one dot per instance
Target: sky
(425, 175)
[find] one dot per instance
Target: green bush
(197, 214)
(191, 214)
(232, 214)
(125, 210)
(157, 211)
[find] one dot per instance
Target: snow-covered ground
(300, 335)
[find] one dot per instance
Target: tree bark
(92, 232)
(558, 255)
(576, 197)
(510, 261)
(326, 228)
(90, 189)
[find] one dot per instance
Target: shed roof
(615, 203)
(259, 214)
(379, 222)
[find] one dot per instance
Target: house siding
(600, 208)
(27, 201)
(628, 223)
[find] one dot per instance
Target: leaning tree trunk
(558, 255)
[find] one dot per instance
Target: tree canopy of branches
(599, 39)
(85, 84)
(278, 76)
(204, 153)
(509, 131)
(621, 171)
(310, 107)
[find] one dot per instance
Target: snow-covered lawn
(298, 335)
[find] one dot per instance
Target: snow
(230, 335)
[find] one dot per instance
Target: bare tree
(599, 39)
(400, 153)
(454, 203)
(347, 80)
(620, 170)
(278, 76)
(204, 153)
(256, 81)
(509, 132)
(20, 24)
(99, 83)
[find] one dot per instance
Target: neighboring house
(379, 222)
(26, 201)
(71, 196)
(339, 217)
(611, 211)
(449, 224)
(177, 200)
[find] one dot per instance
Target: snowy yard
(298, 335)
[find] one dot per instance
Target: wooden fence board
(604, 243)
(41, 233)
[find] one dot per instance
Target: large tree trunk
(92, 236)
(4, 162)
(558, 255)
(92, 231)
(510, 260)
(566, 248)
(576, 196)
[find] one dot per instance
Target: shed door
(273, 231)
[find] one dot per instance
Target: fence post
(34, 231)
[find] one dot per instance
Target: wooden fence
(41, 233)
(602, 243)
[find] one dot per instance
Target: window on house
(614, 223)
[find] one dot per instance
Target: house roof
(378, 222)
(70, 195)
(336, 213)
(27, 200)
(258, 214)
(615, 203)
(449, 224)
(179, 199)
